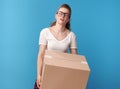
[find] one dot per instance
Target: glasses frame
(60, 13)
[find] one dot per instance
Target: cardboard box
(64, 71)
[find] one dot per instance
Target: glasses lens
(60, 13)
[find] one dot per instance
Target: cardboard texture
(64, 71)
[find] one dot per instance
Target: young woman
(57, 37)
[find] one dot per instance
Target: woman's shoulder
(44, 30)
(72, 34)
(69, 31)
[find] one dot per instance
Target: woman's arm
(73, 51)
(41, 52)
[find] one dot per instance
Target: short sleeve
(42, 37)
(73, 41)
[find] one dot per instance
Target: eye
(60, 13)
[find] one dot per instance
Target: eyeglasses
(60, 13)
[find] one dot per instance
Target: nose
(63, 15)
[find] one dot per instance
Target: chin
(61, 22)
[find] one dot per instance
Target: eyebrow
(63, 12)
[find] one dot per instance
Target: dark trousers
(35, 86)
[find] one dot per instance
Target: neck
(59, 28)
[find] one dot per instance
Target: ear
(56, 16)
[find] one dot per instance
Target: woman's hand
(39, 81)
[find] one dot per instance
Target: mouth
(61, 19)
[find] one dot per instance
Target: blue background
(96, 24)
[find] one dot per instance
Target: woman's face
(62, 16)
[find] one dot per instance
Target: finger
(38, 83)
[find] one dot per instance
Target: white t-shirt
(47, 38)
